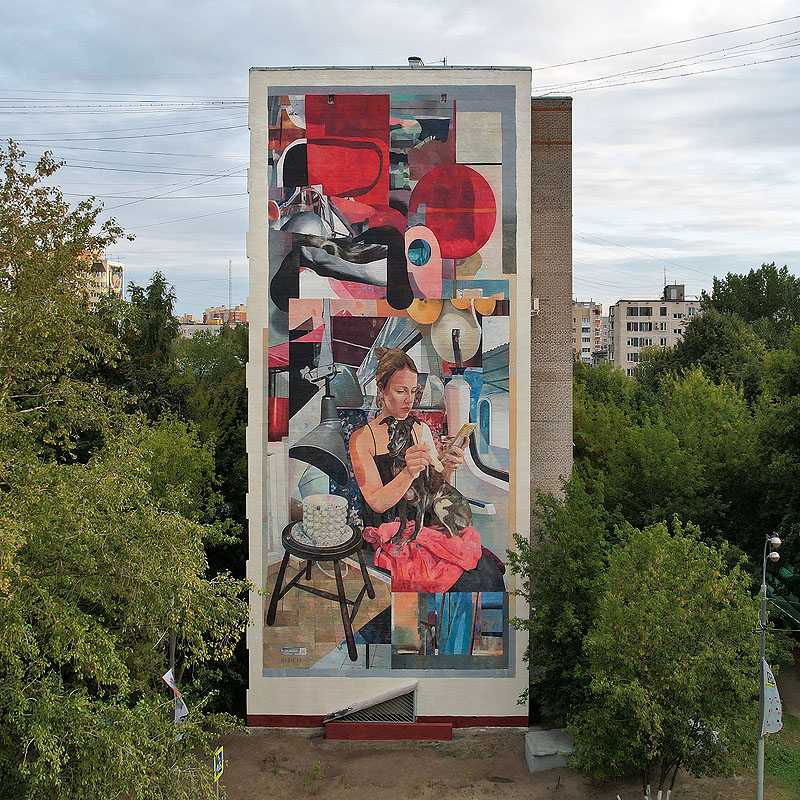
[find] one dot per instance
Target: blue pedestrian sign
(218, 763)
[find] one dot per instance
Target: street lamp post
(771, 545)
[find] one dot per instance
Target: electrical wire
(668, 44)
(137, 128)
(186, 219)
(587, 236)
(679, 62)
(143, 135)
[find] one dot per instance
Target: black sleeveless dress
(488, 573)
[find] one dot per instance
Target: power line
(141, 136)
(137, 128)
(186, 219)
(667, 44)
(143, 152)
(155, 197)
(584, 235)
(684, 61)
(163, 194)
(142, 171)
(687, 74)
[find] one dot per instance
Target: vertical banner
(771, 714)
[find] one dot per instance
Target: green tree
(767, 297)
(724, 345)
(560, 573)
(672, 659)
(102, 534)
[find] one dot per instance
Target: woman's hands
(453, 459)
(418, 457)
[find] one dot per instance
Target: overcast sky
(696, 172)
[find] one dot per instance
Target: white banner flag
(169, 679)
(771, 720)
(181, 711)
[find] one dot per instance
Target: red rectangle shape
(348, 146)
(390, 731)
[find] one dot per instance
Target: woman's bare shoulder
(360, 437)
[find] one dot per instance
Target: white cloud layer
(696, 175)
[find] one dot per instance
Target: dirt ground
(478, 764)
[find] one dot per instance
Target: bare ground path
(279, 764)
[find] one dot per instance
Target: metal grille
(398, 709)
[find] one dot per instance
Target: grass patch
(782, 757)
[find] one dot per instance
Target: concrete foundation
(547, 749)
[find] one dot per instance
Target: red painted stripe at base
(480, 722)
(285, 720)
(390, 731)
(315, 721)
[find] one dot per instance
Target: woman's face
(399, 393)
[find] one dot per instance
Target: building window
(663, 311)
(691, 311)
(678, 315)
(634, 342)
(645, 311)
(645, 342)
(678, 331)
(634, 357)
(629, 373)
(663, 341)
(586, 339)
(632, 311)
(633, 326)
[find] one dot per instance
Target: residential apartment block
(222, 314)
(587, 330)
(636, 324)
(101, 277)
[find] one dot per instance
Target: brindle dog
(429, 491)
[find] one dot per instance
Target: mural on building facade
(388, 418)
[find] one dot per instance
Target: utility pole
(230, 287)
(771, 546)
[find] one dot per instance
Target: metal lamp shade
(324, 447)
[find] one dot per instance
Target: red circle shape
(459, 208)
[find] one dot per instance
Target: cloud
(699, 170)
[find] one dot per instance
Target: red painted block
(390, 731)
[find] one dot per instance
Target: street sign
(218, 763)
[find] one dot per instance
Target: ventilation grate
(398, 705)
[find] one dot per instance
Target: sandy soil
(272, 764)
(280, 764)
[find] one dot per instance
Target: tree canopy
(105, 514)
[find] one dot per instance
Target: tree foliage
(104, 519)
(768, 298)
(672, 658)
(560, 573)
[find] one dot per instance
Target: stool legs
(365, 576)
(348, 626)
(276, 590)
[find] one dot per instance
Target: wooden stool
(310, 555)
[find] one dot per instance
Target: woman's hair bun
(380, 352)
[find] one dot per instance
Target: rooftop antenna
(230, 285)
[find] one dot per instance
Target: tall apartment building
(587, 330)
(404, 193)
(101, 277)
(636, 324)
(223, 314)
